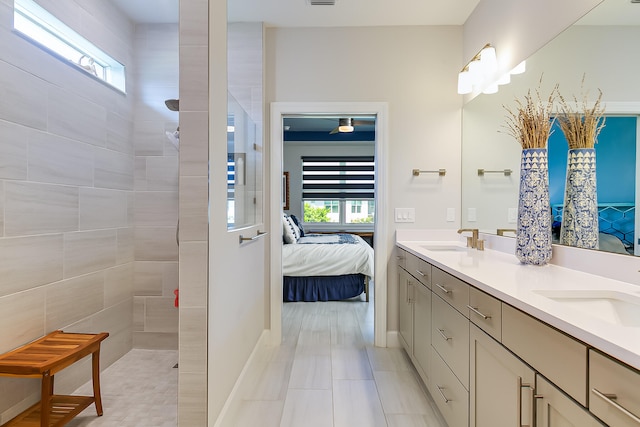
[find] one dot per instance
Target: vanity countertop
(604, 313)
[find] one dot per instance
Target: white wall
(414, 69)
(66, 182)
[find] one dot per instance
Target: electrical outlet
(451, 214)
(472, 215)
(512, 215)
(405, 215)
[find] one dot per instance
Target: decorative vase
(533, 234)
(580, 212)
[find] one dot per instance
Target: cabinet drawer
(451, 289)
(419, 268)
(555, 355)
(450, 338)
(608, 377)
(450, 396)
(486, 312)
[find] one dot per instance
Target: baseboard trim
(393, 340)
(231, 399)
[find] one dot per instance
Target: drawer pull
(443, 335)
(445, 290)
(475, 310)
(446, 399)
(609, 398)
(521, 386)
(420, 273)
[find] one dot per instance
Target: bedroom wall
(66, 192)
(292, 163)
(419, 84)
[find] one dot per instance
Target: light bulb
(488, 60)
(464, 83)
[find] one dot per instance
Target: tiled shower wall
(66, 195)
(156, 187)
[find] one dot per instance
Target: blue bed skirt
(322, 288)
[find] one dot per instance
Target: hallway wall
(66, 195)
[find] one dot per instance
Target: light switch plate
(405, 215)
(451, 214)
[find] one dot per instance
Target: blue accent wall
(615, 162)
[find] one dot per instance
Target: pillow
(297, 222)
(288, 230)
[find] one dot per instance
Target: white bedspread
(327, 258)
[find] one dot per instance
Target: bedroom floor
(326, 373)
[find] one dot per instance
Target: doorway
(377, 110)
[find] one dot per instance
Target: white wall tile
(157, 208)
(32, 208)
(114, 170)
(126, 245)
(13, 151)
(24, 97)
(118, 285)
(115, 318)
(149, 137)
(162, 173)
(193, 274)
(194, 78)
(70, 300)
(25, 312)
(156, 244)
(194, 23)
(156, 340)
(89, 251)
(148, 276)
(194, 157)
(58, 160)
(160, 315)
(119, 133)
(74, 117)
(193, 338)
(102, 208)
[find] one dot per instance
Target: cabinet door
(556, 409)
(405, 310)
(422, 330)
(450, 338)
(501, 385)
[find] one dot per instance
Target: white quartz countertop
(603, 313)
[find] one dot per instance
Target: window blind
(338, 177)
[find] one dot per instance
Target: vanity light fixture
(482, 67)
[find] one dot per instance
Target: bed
(326, 267)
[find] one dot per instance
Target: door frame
(380, 110)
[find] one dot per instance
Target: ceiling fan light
(345, 125)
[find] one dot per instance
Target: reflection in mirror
(602, 48)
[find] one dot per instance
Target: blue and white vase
(533, 234)
(580, 212)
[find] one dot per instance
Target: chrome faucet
(472, 241)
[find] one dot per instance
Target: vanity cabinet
(414, 295)
(450, 338)
(556, 409)
(614, 391)
(501, 385)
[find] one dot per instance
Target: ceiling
(300, 13)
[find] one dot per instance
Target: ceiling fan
(346, 125)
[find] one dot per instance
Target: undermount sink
(614, 307)
(444, 248)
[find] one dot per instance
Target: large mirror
(602, 49)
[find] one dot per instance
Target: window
(338, 189)
(46, 31)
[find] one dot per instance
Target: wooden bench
(45, 357)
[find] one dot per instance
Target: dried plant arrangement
(531, 121)
(581, 128)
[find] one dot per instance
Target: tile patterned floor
(326, 373)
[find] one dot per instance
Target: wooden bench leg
(95, 374)
(45, 399)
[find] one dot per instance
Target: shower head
(174, 138)
(172, 104)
